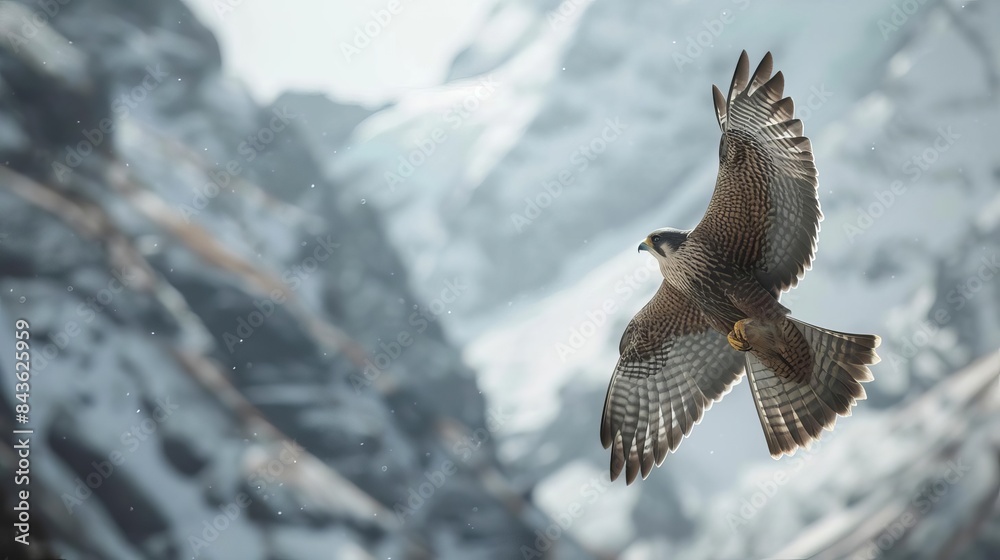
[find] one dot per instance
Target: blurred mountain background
(311, 324)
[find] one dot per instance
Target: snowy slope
(874, 91)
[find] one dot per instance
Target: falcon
(716, 313)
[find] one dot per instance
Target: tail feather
(794, 412)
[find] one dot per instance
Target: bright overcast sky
(296, 44)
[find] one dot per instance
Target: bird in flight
(716, 313)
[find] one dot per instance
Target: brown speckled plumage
(717, 313)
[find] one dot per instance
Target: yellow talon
(738, 338)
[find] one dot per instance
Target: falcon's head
(664, 242)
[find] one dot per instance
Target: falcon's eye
(655, 239)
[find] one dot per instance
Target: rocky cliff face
(228, 361)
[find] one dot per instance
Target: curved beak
(646, 245)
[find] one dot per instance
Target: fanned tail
(793, 412)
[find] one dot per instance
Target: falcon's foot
(738, 338)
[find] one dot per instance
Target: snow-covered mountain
(387, 332)
(601, 129)
(227, 359)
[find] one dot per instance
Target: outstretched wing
(673, 366)
(764, 213)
